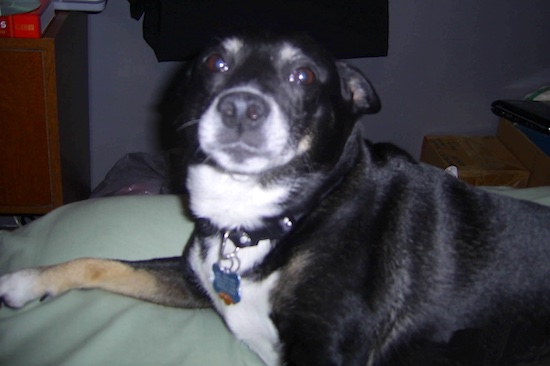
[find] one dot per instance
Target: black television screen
(178, 29)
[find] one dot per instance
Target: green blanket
(97, 328)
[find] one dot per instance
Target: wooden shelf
(44, 125)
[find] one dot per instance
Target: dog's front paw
(18, 288)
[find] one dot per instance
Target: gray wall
(448, 60)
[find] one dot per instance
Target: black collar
(272, 228)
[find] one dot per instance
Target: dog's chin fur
(232, 200)
(244, 163)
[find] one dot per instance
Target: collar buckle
(273, 229)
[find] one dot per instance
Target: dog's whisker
(187, 124)
(308, 163)
(206, 158)
(198, 153)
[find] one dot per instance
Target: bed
(97, 328)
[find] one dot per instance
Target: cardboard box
(531, 156)
(481, 160)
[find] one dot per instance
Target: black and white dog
(316, 247)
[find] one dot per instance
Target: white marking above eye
(233, 45)
(288, 52)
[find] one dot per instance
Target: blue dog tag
(227, 285)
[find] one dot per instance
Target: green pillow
(98, 328)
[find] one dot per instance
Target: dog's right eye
(302, 75)
(216, 63)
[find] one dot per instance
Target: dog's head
(262, 102)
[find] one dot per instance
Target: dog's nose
(243, 110)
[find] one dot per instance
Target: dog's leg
(162, 281)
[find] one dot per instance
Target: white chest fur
(249, 319)
(231, 201)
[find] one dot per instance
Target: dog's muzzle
(245, 131)
(243, 111)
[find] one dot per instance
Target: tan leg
(162, 281)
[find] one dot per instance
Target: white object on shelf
(80, 5)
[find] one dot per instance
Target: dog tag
(227, 285)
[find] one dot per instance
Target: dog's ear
(358, 89)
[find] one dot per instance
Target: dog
(315, 246)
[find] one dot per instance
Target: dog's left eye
(302, 75)
(216, 63)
